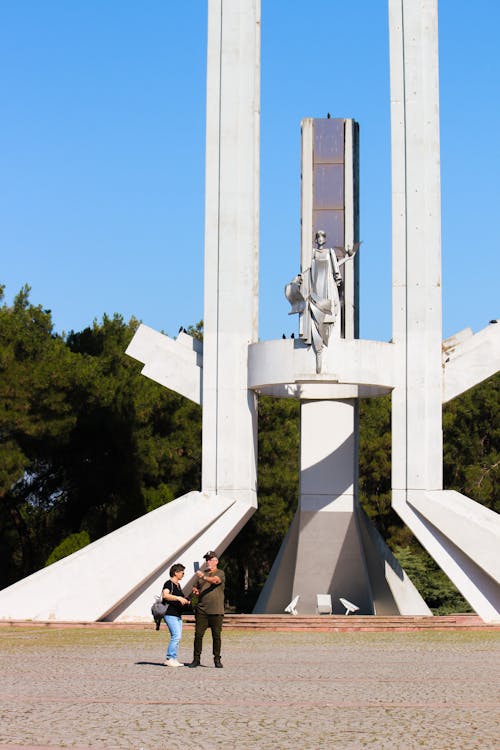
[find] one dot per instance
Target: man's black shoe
(218, 663)
(194, 663)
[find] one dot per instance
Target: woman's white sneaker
(173, 663)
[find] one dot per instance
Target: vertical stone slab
(330, 201)
(416, 430)
(231, 247)
(351, 228)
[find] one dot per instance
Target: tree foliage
(71, 544)
(87, 444)
(250, 557)
(471, 462)
(471, 458)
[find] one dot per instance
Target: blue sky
(102, 154)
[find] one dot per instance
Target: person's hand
(200, 573)
(183, 600)
(195, 591)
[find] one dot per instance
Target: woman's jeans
(174, 624)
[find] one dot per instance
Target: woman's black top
(174, 608)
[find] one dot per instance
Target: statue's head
(320, 237)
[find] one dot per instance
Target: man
(210, 608)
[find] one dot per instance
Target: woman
(172, 594)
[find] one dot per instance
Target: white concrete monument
(327, 367)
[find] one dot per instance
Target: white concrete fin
(469, 359)
(174, 363)
(458, 338)
(190, 342)
(469, 525)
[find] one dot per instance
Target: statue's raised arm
(349, 252)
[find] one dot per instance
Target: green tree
(471, 435)
(471, 429)
(250, 556)
(435, 587)
(136, 445)
(87, 442)
(71, 544)
(36, 416)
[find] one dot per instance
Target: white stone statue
(315, 294)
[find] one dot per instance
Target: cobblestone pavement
(108, 690)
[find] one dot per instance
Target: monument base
(341, 554)
(332, 547)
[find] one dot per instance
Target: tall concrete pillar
(416, 263)
(330, 549)
(231, 248)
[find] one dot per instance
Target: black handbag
(158, 610)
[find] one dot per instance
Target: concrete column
(351, 228)
(231, 247)
(330, 557)
(416, 429)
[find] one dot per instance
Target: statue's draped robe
(323, 297)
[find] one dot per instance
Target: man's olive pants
(203, 621)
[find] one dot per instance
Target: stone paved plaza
(90, 688)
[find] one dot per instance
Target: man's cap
(209, 555)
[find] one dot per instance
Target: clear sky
(102, 154)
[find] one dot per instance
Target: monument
(332, 547)
(327, 367)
